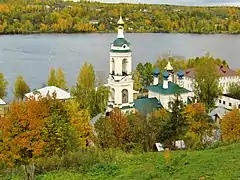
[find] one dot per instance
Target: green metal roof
(146, 105)
(120, 51)
(173, 88)
(119, 42)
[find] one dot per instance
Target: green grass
(222, 163)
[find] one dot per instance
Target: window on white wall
(124, 66)
(124, 96)
(224, 102)
(230, 104)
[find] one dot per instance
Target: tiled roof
(232, 96)
(223, 71)
(146, 105)
(60, 94)
(173, 88)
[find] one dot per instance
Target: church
(120, 81)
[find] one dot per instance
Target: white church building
(120, 79)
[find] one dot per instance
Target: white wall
(165, 99)
(227, 102)
(118, 59)
(224, 82)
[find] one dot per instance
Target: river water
(32, 56)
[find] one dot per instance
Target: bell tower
(120, 75)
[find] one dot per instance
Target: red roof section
(223, 71)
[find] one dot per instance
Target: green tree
(176, 126)
(58, 133)
(85, 92)
(3, 86)
(21, 88)
(52, 79)
(60, 77)
(145, 73)
(206, 87)
(234, 90)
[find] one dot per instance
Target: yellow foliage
(198, 124)
(231, 126)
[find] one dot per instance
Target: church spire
(120, 28)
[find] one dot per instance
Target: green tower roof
(119, 42)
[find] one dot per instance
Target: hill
(222, 163)
(34, 16)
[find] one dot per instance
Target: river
(32, 56)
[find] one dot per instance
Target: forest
(57, 16)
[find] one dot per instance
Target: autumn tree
(85, 92)
(58, 133)
(86, 76)
(230, 126)
(199, 125)
(206, 87)
(79, 120)
(114, 128)
(60, 76)
(21, 134)
(52, 79)
(3, 86)
(21, 88)
(57, 78)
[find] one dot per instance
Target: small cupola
(165, 79)
(165, 75)
(180, 74)
(156, 73)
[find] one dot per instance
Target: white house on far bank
(49, 90)
(227, 77)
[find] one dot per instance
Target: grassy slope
(220, 163)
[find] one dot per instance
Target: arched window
(113, 94)
(124, 96)
(113, 66)
(124, 67)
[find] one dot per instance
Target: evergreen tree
(21, 88)
(175, 127)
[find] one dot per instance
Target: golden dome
(120, 21)
(169, 66)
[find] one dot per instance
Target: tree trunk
(30, 171)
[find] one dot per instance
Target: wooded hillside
(55, 16)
